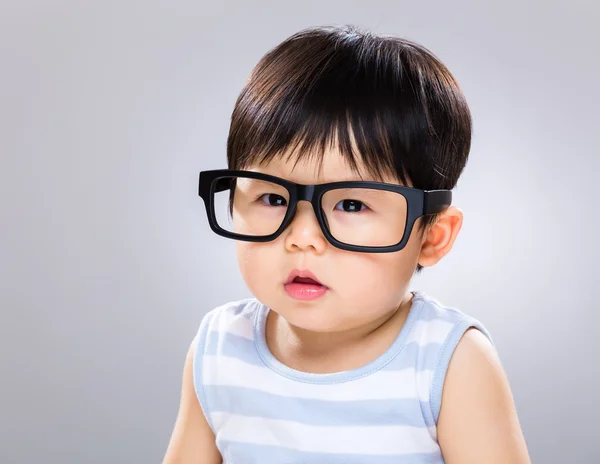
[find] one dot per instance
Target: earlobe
(440, 236)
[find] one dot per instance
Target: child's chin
(313, 319)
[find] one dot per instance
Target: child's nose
(304, 232)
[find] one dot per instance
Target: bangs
(385, 104)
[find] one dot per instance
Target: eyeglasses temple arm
(223, 184)
(436, 201)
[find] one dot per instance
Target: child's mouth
(305, 280)
(304, 288)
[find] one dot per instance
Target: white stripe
(375, 440)
(238, 324)
(424, 332)
(401, 384)
(434, 331)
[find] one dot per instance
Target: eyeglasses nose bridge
(305, 193)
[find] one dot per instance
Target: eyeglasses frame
(419, 203)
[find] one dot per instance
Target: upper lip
(304, 273)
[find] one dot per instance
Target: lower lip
(305, 292)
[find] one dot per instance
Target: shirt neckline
(278, 367)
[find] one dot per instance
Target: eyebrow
(350, 179)
(353, 178)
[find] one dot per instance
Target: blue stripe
(249, 402)
(246, 453)
(232, 346)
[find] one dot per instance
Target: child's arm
(192, 441)
(478, 422)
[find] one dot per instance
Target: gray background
(109, 109)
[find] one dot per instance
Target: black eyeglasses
(363, 216)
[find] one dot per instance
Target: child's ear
(439, 238)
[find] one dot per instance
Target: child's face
(362, 287)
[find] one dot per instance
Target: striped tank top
(262, 411)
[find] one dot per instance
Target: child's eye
(272, 199)
(350, 206)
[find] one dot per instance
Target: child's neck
(322, 353)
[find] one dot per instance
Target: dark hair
(383, 100)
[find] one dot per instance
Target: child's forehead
(321, 168)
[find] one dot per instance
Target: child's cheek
(257, 265)
(372, 280)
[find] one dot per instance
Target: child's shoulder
(437, 330)
(233, 317)
(432, 308)
(244, 307)
(439, 322)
